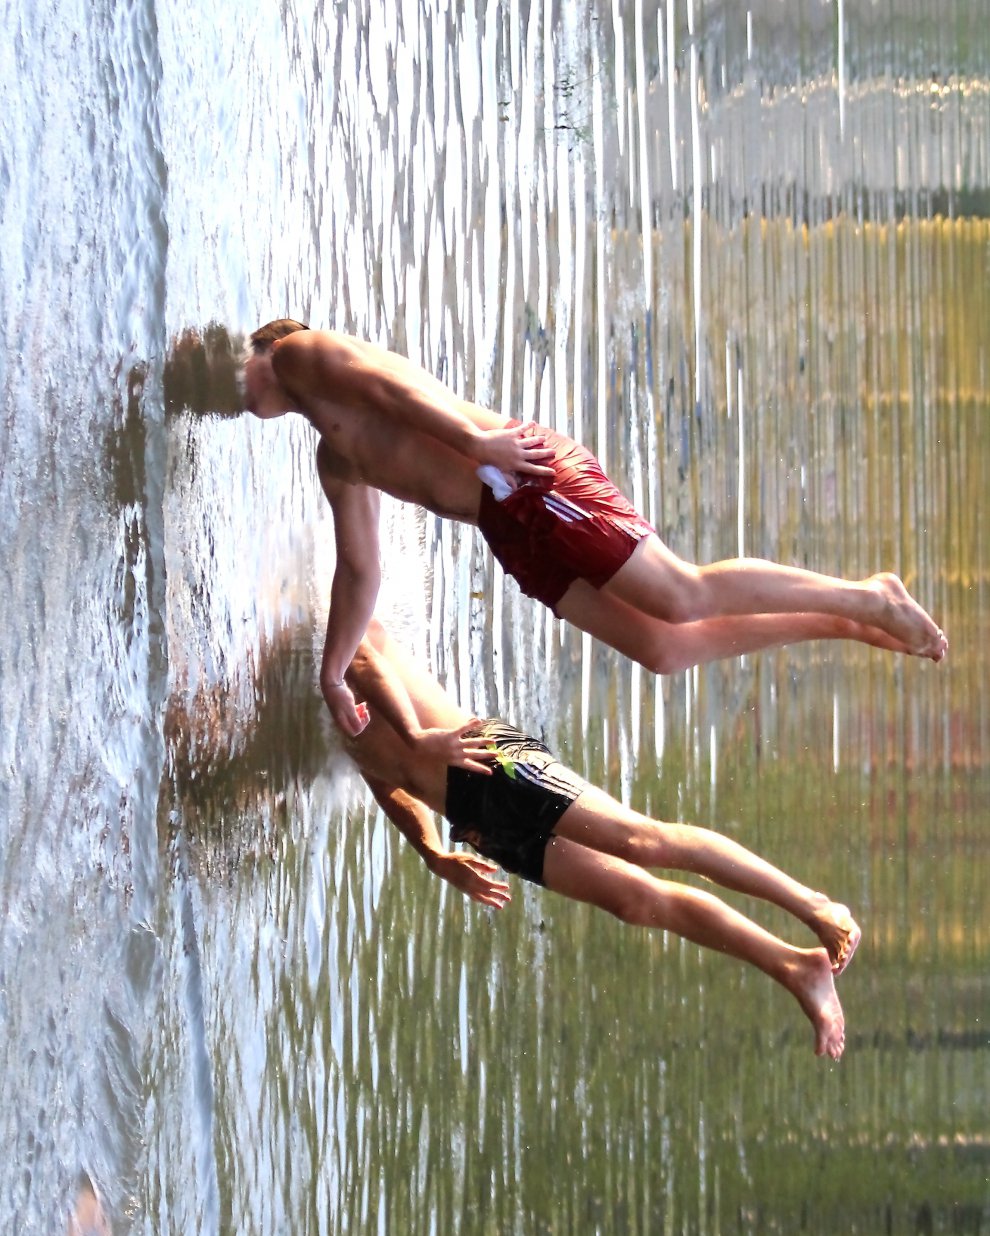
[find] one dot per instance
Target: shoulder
(315, 351)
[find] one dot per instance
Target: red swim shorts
(548, 533)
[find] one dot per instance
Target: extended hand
(456, 748)
(520, 448)
(474, 877)
(350, 717)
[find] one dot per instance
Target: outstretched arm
(353, 592)
(473, 876)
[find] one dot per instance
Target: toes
(845, 956)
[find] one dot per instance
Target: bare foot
(904, 618)
(838, 931)
(809, 979)
(876, 637)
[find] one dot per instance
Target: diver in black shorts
(506, 795)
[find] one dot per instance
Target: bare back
(363, 400)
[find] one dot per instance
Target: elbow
(360, 573)
(659, 663)
(670, 661)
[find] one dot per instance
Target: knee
(686, 601)
(642, 844)
(634, 905)
(671, 648)
(662, 658)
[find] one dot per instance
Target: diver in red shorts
(549, 532)
(387, 425)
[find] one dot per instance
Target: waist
(457, 497)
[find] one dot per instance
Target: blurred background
(743, 254)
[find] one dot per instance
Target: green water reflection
(439, 1068)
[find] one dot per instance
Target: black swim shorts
(510, 816)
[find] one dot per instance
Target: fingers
(474, 753)
(352, 720)
(474, 757)
(522, 448)
(356, 722)
(532, 446)
(471, 765)
(493, 902)
(532, 431)
(492, 893)
(534, 453)
(471, 761)
(476, 880)
(485, 868)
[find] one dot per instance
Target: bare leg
(598, 821)
(634, 896)
(657, 582)
(668, 647)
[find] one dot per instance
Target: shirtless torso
(378, 750)
(342, 385)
